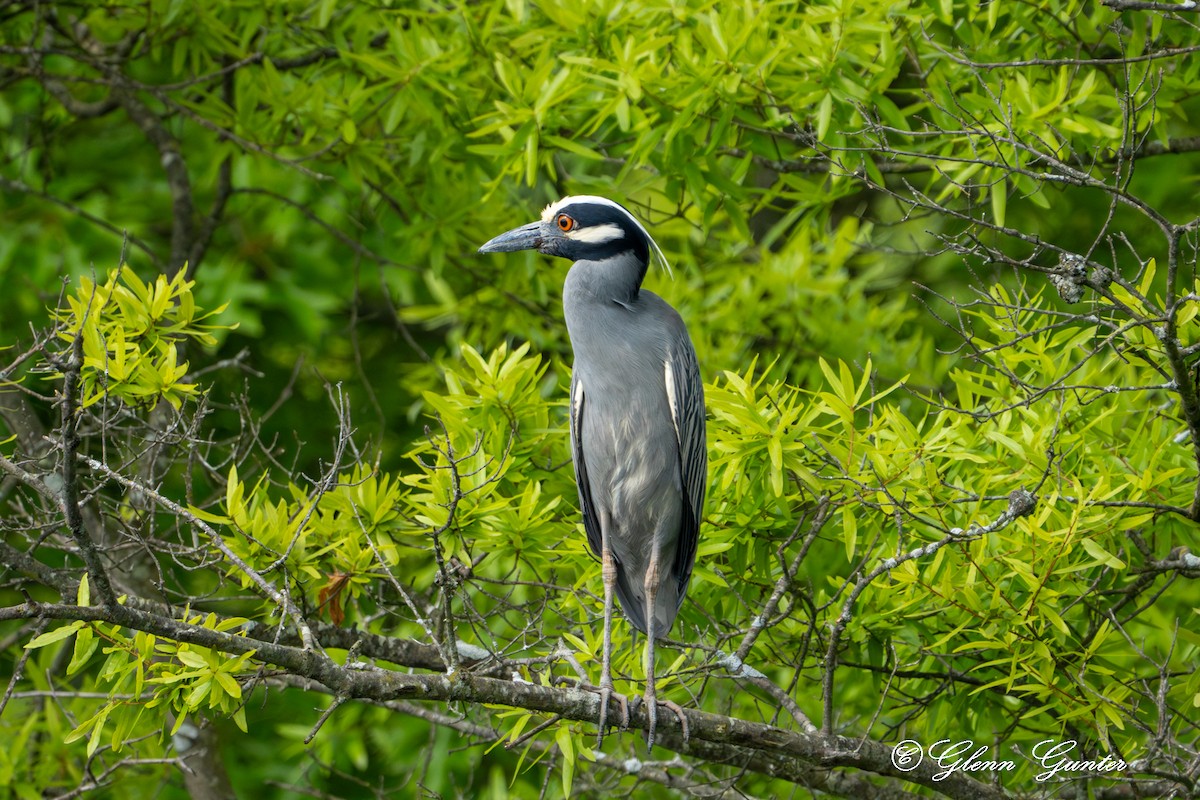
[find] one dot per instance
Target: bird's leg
(651, 588)
(609, 573)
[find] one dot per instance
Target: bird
(637, 422)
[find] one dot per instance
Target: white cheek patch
(597, 234)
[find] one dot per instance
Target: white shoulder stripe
(669, 376)
(577, 401)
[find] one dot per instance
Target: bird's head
(581, 228)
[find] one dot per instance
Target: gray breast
(628, 436)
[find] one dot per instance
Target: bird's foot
(607, 693)
(605, 690)
(677, 710)
(652, 703)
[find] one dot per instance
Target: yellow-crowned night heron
(637, 420)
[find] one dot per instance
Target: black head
(581, 227)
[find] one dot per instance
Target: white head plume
(549, 211)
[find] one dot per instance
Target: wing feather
(685, 395)
(591, 520)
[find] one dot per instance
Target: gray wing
(685, 391)
(591, 521)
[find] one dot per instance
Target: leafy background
(867, 205)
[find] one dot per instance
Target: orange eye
(565, 223)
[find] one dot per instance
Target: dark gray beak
(526, 237)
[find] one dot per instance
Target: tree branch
(265, 586)
(712, 736)
(70, 479)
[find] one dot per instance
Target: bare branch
(771, 748)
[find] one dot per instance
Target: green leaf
(567, 748)
(88, 724)
(85, 645)
(1100, 554)
(999, 192)
(199, 691)
(56, 635)
(824, 115)
(229, 684)
(97, 729)
(325, 12)
(850, 530)
(191, 658)
(1147, 279)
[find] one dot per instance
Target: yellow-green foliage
(131, 332)
(487, 498)
(1009, 608)
(143, 671)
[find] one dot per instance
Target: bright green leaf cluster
(183, 677)
(335, 542)
(131, 332)
(198, 678)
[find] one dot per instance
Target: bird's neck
(612, 281)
